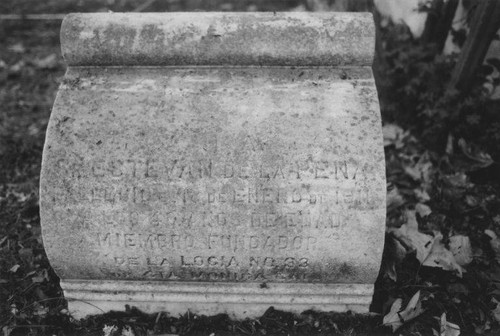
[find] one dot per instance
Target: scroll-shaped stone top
(267, 39)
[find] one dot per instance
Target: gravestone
(215, 162)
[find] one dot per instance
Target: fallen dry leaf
(409, 235)
(494, 243)
(108, 330)
(449, 145)
(394, 198)
(480, 158)
(17, 68)
(447, 328)
(127, 331)
(413, 172)
(397, 317)
(457, 180)
(40, 310)
(396, 253)
(48, 62)
(496, 311)
(393, 135)
(41, 276)
(390, 271)
(6, 330)
(461, 249)
(422, 195)
(17, 48)
(392, 318)
(442, 257)
(423, 210)
(422, 171)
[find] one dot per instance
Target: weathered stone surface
(218, 39)
(215, 188)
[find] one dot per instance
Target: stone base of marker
(215, 162)
(238, 300)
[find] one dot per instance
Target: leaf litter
(397, 316)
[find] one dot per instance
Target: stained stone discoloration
(298, 39)
(216, 163)
(227, 176)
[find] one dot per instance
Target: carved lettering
(226, 242)
(173, 169)
(349, 197)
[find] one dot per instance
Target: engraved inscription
(178, 168)
(236, 242)
(218, 267)
(353, 197)
(209, 174)
(163, 218)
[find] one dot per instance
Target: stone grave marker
(215, 162)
